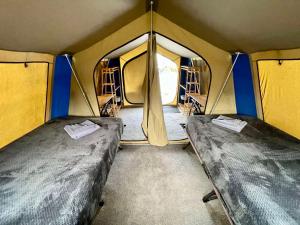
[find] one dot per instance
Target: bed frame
(258, 168)
(48, 178)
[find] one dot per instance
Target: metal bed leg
(210, 196)
(186, 146)
(101, 203)
(183, 125)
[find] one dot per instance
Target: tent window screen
(22, 99)
(279, 86)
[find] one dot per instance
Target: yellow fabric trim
(280, 85)
(22, 99)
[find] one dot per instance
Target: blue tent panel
(61, 88)
(243, 85)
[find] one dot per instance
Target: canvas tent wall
(133, 67)
(133, 79)
(19, 35)
(219, 61)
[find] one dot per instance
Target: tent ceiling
(72, 25)
(241, 25)
(174, 47)
(128, 47)
(56, 26)
(160, 40)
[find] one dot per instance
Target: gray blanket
(48, 178)
(257, 171)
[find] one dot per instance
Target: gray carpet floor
(151, 186)
(170, 109)
(133, 117)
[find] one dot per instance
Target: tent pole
(151, 27)
(80, 86)
(150, 57)
(224, 85)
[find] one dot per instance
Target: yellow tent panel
(280, 85)
(23, 92)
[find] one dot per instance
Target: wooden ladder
(192, 86)
(108, 87)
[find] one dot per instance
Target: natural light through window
(168, 78)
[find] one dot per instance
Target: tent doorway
(184, 79)
(168, 78)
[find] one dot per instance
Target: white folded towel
(230, 123)
(77, 131)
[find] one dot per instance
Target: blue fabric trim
(243, 86)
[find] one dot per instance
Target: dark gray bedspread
(257, 171)
(48, 178)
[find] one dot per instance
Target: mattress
(48, 178)
(256, 172)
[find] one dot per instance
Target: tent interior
(128, 66)
(150, 112)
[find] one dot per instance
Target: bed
(255, 173)
(48, 178)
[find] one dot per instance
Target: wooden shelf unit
(109, 90)
(192, 88)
